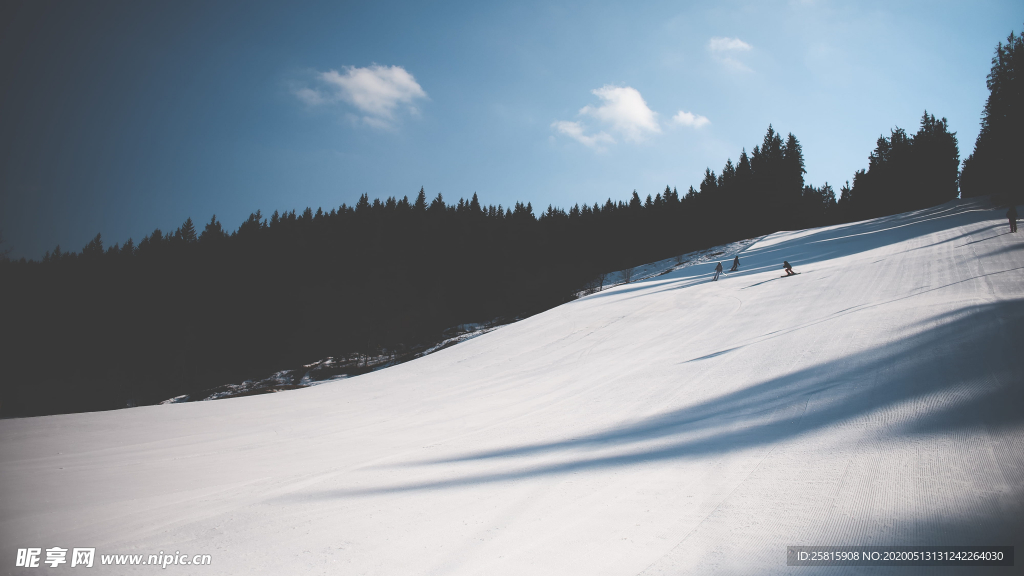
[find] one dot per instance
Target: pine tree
(725, 179)
(364, 203)
(94, 248)
(709, 185)
(743, 166)
(420, 206)
(634, 202)
(793, 160)
(252, 225)
(187, 232)
(937, 160)
(213, 231)
(437, 206)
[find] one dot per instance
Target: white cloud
(375, 122)
(376, 91)
(576, 131)
(720, 44)
(724, 50)
(624, 109)
(690, 119)
(310, 96)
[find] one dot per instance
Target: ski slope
(670, 426)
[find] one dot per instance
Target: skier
(789, 269)
(718, 270)
(735, 264)
(1012, 215)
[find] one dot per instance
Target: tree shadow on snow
(961, 371)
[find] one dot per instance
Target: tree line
(905, 172)
(197, 307)
(994, 165)
(183, 311)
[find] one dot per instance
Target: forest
(994, 165)
(185, 310)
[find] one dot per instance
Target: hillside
(672, 425)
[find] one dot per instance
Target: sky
(121, 117)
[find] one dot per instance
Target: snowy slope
(669, 426)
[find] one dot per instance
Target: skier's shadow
(988, 238)
(763, 282)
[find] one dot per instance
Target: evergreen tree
(709, 185)
(54, 256)
(94, 249)
(420, 206)
(728, 175)
(187, 232)
(743, 172)
(793, 160)
(212, 232)
(937, 157)
(767, 161)
(437, 206)
(634, 202)
(790, 184)
(364, 203)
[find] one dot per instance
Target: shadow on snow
(963, 371)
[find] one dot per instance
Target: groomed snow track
(671, 426)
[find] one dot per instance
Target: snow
(177, 399)
(673, 425)
(662, 267)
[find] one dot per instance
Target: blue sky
(122, 117)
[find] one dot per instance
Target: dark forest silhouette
(905, 172)
(188, 310)
(994, 166)
(192, 309)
